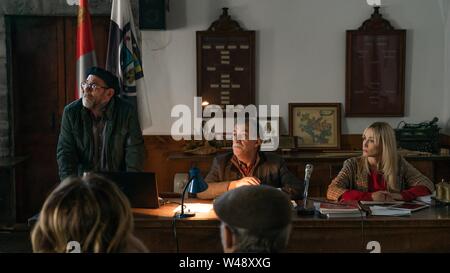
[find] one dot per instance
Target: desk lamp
(195, 184)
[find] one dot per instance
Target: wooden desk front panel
(333, 239)
(424, 239)
(200, 238)
(425, 231)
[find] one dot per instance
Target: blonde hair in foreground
(90, 210)
(384, 137)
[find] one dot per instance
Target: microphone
(305, 210)
(308, 171)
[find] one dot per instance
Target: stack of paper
(371, 203)
(195, 207)
(345, 215)
(389, 211)
(426, 198)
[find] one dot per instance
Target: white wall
(445, 8)
(300, 54)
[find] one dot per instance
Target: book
(345, 215)
(334, 208)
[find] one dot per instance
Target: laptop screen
(140, 187)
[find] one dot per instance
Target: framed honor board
(226, 63)
(375, 69)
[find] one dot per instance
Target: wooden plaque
(375, 69)
(226, 63)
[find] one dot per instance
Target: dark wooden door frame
(27, 201)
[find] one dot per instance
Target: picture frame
(316, 125)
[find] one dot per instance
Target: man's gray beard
(89, 104)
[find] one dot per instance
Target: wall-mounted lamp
(374, 3)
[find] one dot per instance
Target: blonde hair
(384, 137)
(90, 210)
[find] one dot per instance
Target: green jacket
(123, 141)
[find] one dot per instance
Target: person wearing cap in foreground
(254, 219)
(100, 131)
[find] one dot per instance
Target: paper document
(426, 198)
(195, 207)
(381, 202)
(345, 215)
(294, 204)
(389, 211)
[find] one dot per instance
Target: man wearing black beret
(100, 131)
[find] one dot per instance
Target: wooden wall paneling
(159, 148)
(445, 141)
(351, 142)
(441, 171)
(36, 83)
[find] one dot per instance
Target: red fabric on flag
(85, 53)
(85, 40)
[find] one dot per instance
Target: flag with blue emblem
(125, 61)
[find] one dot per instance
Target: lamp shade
(197, 183)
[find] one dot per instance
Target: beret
(255, 208)
(110, 79)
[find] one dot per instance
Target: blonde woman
(91, 211)
(380, 174)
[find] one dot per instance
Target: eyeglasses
(93, 86)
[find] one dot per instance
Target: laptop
(140, 187)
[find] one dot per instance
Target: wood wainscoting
(161, 160)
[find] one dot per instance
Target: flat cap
(254, 208)
(109, 78)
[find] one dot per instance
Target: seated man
(254, 220)
(249, 166)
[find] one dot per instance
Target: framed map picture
(315, 125)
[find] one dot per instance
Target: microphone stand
(182, 214)
(304, 209)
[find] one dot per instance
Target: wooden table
(427, 230)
